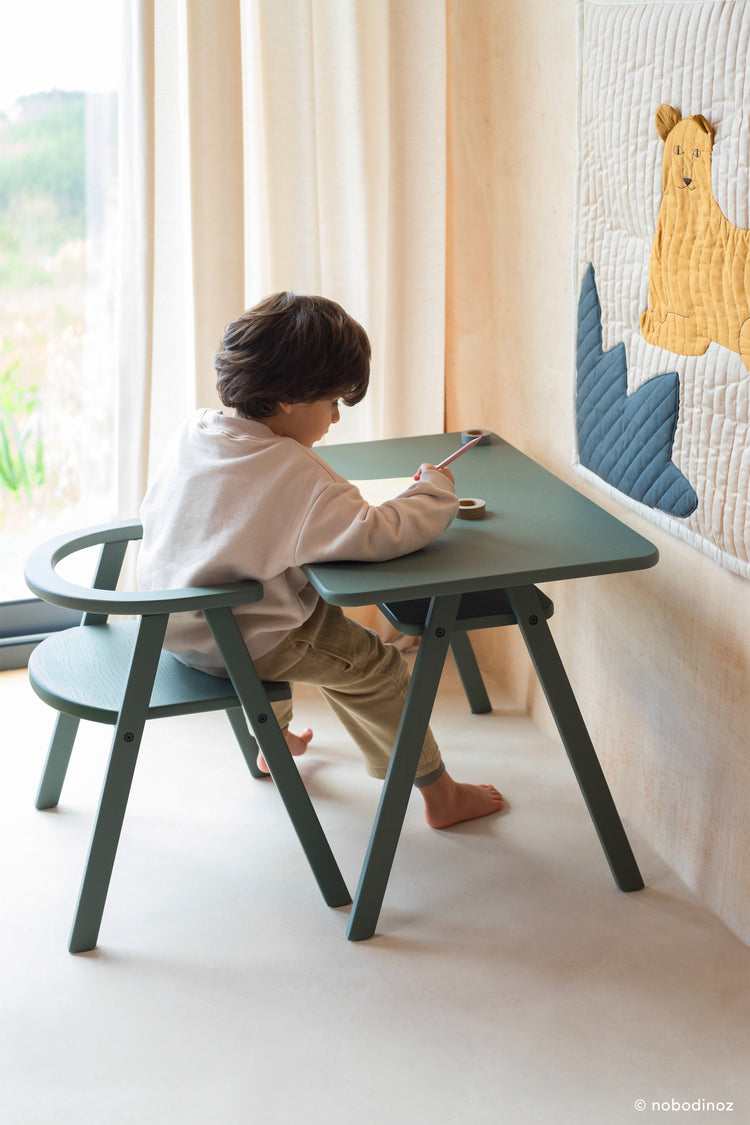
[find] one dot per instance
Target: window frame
(24, 622)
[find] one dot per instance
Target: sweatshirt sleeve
(340, 524)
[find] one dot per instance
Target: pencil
(453, 456)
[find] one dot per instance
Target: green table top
(537, 528)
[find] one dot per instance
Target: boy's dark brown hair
(291, 349)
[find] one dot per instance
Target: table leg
(402, 770)
(471, 677)
(575, 737)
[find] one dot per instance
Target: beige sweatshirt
(233, 501)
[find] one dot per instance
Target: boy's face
(306, 422)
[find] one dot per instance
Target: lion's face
(687, 152)
(687, 157)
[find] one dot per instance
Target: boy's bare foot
(449, 802)
(297, 744)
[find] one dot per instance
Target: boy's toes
(495, 794)
(297, 744)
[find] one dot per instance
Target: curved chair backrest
(102, 598)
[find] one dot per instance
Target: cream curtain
(181, 185)
(270, 144)
(345, 183)
(135, 282)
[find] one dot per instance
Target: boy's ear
(286, 407)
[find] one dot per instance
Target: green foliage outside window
(42, 211)
(21, 452)
(43, 175)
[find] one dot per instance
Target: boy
(245, 496)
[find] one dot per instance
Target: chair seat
(56, 664)
(482, 609)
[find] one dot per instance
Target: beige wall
(660, 660)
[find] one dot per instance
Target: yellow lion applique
(699, 273)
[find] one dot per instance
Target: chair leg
(288, 782)
(575, 737)
(247, 743)
(104, 841)
(116, 790)
(58, 757)
(471, 677)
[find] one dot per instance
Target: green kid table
(481, 574)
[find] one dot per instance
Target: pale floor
(509, 980)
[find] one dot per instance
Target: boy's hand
(446, 472)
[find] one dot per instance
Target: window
(58, 269)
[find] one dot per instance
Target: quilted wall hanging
(662, 265)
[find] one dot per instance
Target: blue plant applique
(626, 439)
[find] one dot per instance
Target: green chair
(119, 674)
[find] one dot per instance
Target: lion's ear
(701, 120)
(666, 119)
